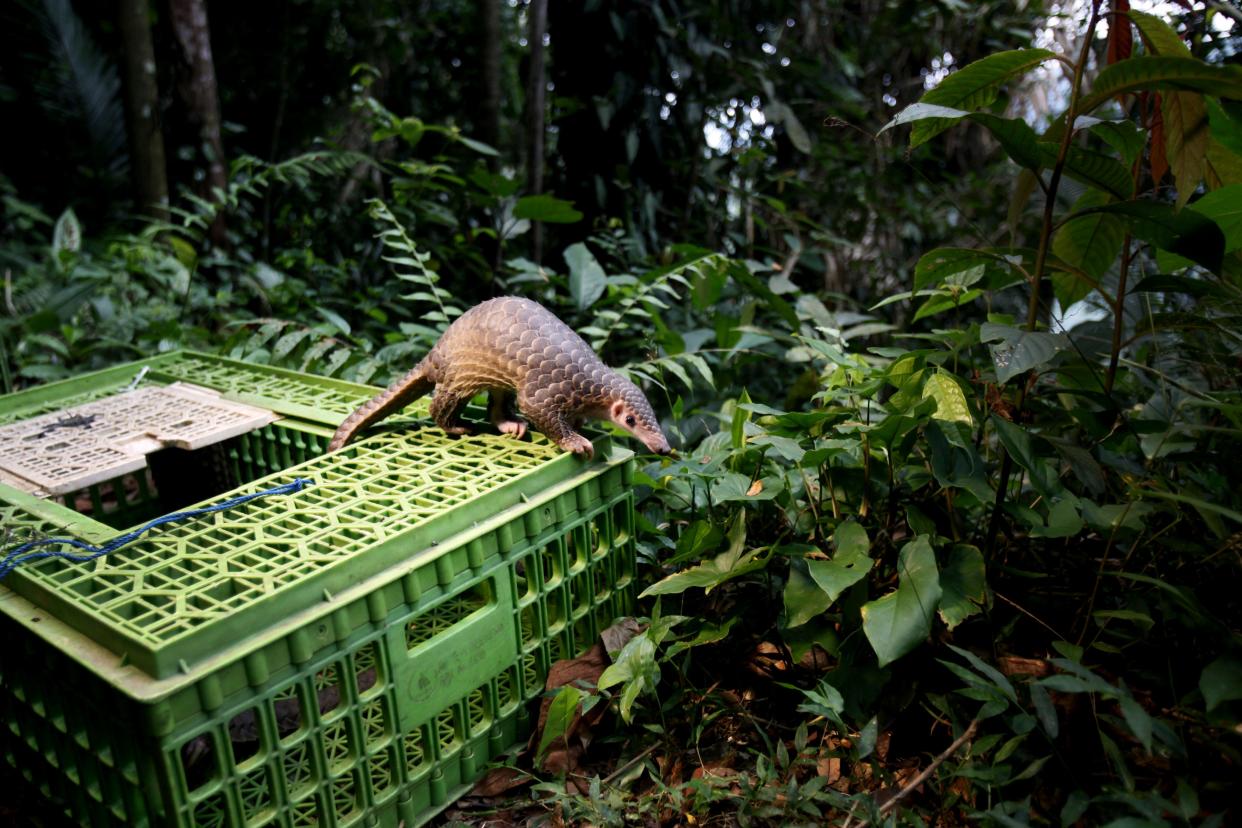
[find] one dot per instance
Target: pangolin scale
(518, 351)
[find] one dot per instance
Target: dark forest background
(956, 395)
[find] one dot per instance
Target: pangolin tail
(401, 393)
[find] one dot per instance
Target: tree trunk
(536, 97)
(489, 129)
(189, 21)
(142, 112)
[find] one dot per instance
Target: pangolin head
(630, 410)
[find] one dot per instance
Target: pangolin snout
(658, 444)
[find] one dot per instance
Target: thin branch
(910, 786)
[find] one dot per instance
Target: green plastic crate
(353, 654)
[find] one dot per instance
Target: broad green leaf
(636, 666)
(1013, 134)
(1221, 681)
(975, 86)
(1224, 206)
(945, 301)
(1090, 242)
(1185, 140)
(734, 562)
(1222, 167)
(477, 146)
(586, 278)
(1226, 130)
(1017, 442)
(1137, 719)
(696, 539)
(950, 401)
(936, 267)
(850, 539)
(561, 715)
(804, 599)
(964, 582)
(955, 465)
(1158, 72)
(898, 622)
(849, 565)
(1184, 232)
(1095, 169)
(1020, 350)
(1123, 136)
(1064, 521)
(1045, 711)
(546, 208)
(1159, 36)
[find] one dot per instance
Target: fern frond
(645, 297)
(410, 265)
(249, 177)
(90, 84)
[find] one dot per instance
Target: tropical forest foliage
(940, 303)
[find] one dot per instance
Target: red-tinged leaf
(1185, 130)
(1120, 35)
(1159, 161)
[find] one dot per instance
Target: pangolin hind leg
(500, 412)
(446, 408)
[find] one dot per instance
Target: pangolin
(516, 350)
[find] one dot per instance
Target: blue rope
(22, 554)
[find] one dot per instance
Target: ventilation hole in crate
(287, 709)
(256, 794)
(532, 683)
(382, 771)
(598, 539)
(198, 761)
(212, 812)
(584, 636)
(374, 717)
(550, 565)
(435, 621)
(620, 524)
(559, 648)
(601, 581)
(507, 695)
(345, 797)
(328, 690)
(336, 747)
(446, 732)
(524, 581)
(476, 711)
(578, 548)
(415, 751)
(623, 567)
(579, 592)
(604, 616)
(305, 812)
(299, 769)
(244, 735)
(528, 618)
(367, 676)
(556, 610)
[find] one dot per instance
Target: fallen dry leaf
(1019, 666)
(500, 780)
(829, 767)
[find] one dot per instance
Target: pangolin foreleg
(416, 383)
(558, 429)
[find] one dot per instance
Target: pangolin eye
(629, 421)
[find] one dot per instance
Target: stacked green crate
(354, 652)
